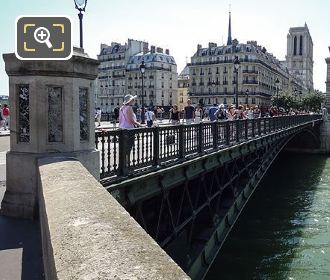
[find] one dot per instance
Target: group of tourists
(191, 114)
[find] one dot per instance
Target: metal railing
(127, 152)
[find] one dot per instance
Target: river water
(284, 231)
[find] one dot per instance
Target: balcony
(247, 82)
(249, 71)
(225, 82)
(151, 77)
(193, 84)
(201, 84)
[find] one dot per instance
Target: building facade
(299, 59)
(327, 104)
(159, 80)
(213, 77)
(119, 74)
(183, 88)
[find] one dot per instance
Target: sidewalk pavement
(20, 241)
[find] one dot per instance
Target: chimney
(167, 51)
(212, 45)
(152, 49)
(159, 50)
(199, 47)
(145, 47)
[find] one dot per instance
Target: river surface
(284, 231)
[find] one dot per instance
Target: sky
(180, 25)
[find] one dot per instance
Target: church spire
(229, 30)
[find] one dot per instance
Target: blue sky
(180, 25)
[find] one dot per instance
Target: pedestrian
(150, 117)
(5, 116)
(231, 113)
(256, 112)
(212, 111)
(221, 113)
(198, 114)
(249, 113)
(240, 113)
(98, 115)
(115, 115)
(127, 120)
(175, 115)
(189, 112)
(127, 117)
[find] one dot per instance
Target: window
(301, 45)
(295, 45)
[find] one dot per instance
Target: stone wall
(87, 234)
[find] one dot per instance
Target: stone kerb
(87, 234)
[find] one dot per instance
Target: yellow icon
(62, 31)
(60, 49)
(60, 25)
(26, 25)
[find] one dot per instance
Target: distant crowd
(129, 116)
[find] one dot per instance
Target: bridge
(186, 185)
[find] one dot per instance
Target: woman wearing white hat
(127, 117)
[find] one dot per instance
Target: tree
(313, 101)
(286, 101)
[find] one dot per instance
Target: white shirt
(149, 115)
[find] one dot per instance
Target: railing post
(246, 123)
(259, 126)
(227, 133)
(253, 128)
(156, 145)
(123, 153)
(237, 130)
(181, 141)
(214, 129)
(200, 138)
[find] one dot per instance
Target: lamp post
(142, 70)
(277, 82)
(81, 6)
(213, 87)
(247, 96)
(236, 67)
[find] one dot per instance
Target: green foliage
(313, 101)
(308, 101)
(286, 101)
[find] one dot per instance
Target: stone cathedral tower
(299, 57)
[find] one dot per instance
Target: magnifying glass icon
(41, 35)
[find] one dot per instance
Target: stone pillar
(52, 114)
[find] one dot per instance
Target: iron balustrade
(128, 152)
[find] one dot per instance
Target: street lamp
(277, 82)
(80, 6)
(142, 70)
(213, 87)
(247, 96)
(236, 67)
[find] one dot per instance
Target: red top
(5, 112)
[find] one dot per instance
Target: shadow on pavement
(20, 249)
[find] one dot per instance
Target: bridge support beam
(52, 114)
(325, 136)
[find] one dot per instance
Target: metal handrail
(127, 152)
